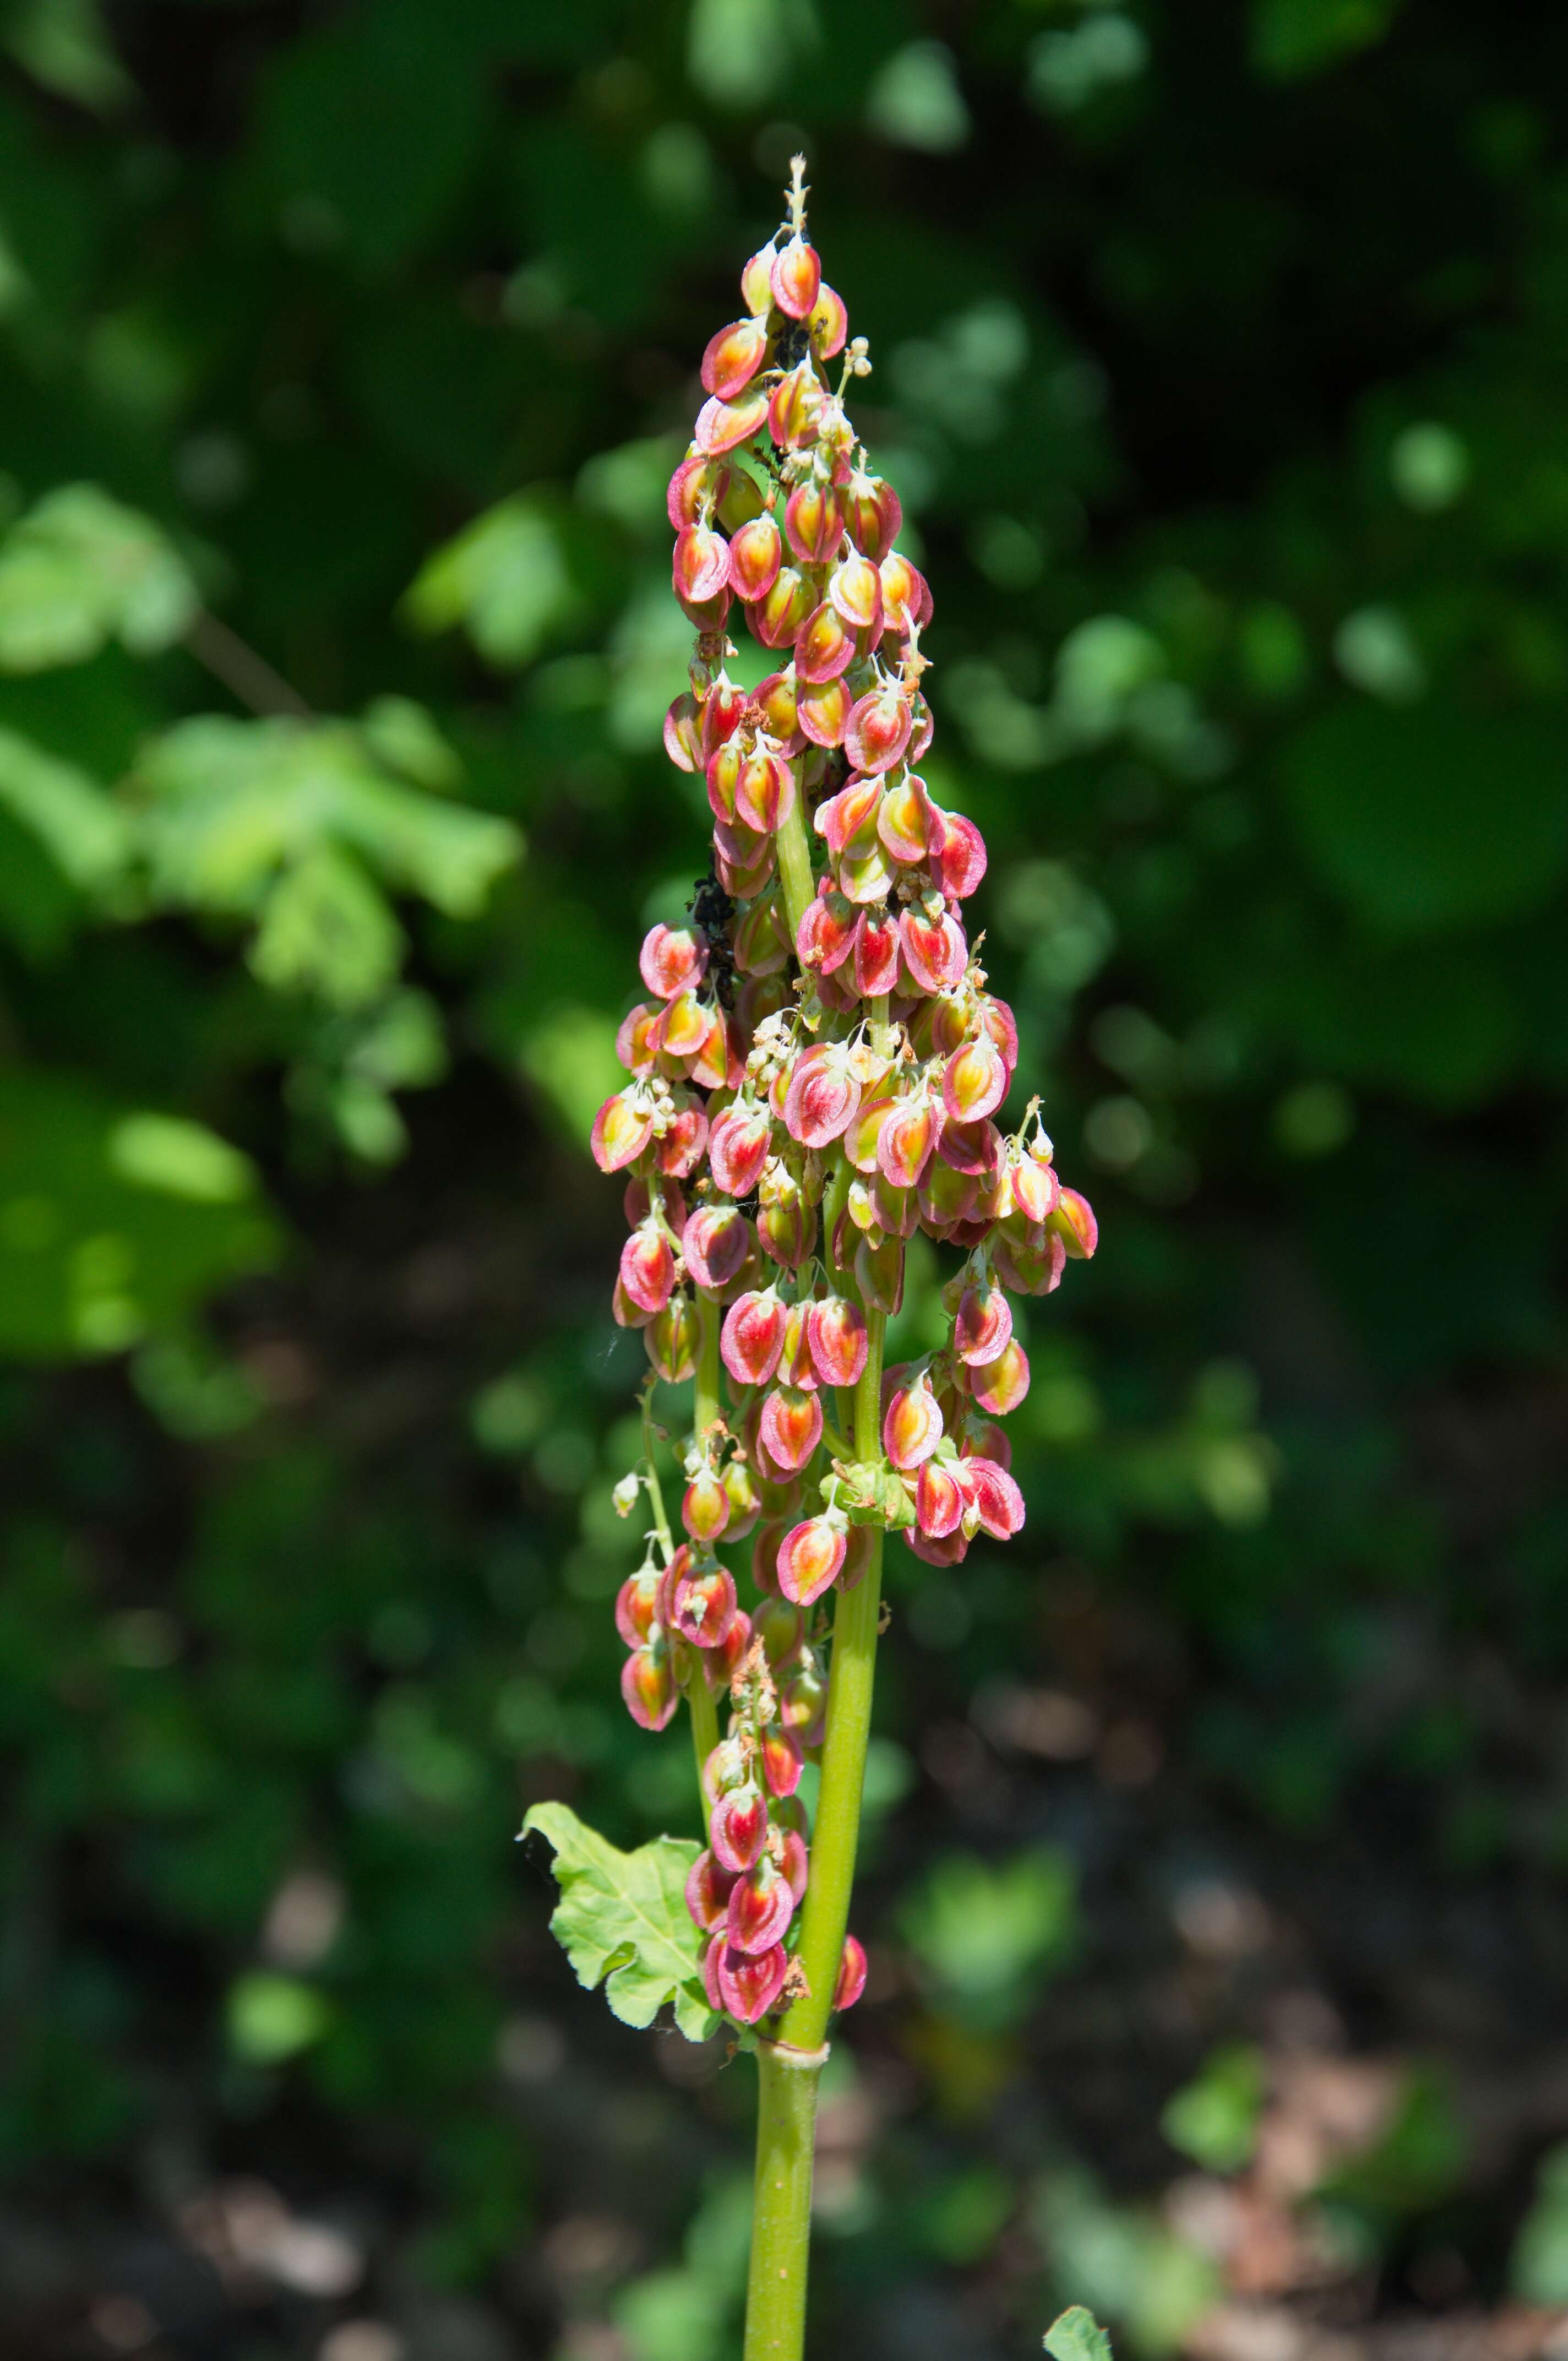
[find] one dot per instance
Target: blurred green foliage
(344, 354)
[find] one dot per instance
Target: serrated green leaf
(504, 578)
(79, 570)
(326, 928)
(1076, 2336)
(622, 1920)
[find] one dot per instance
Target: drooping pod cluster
(816, 1071)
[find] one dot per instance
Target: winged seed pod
(819, 1070)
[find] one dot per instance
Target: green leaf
(504, 578)
(271, 2018)
(1076, 2336)
(64, 46)
(85, 835)
(1302, 36)
(872, 1494)
(79, 570)
(326, 928)
(1213, 2119)
(622, 1920)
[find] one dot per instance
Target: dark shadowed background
(1219, 1827)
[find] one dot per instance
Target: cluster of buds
(817, 1073)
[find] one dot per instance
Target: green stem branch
(794, 867)
(781, 2221)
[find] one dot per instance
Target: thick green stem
(704, 1393)
(794, 867)
(781, 2222)
(705, 1728)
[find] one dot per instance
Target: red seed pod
(723, 710)
(739, 1828)
(721, 1664)
(672, 1338)
(999, 1024)
(733, 358)
(860, 1543)
(742, 1984)
(648, 1267)
(622, 1128)
(828, 324)
(776, 699)
(765, 1546)
(786, 1230)
(1036, 1192)
(725, 426)
(709, 1888)
(672, 958)
(701, 564)
(1073, 1221)
(974, 1080)
(951, 1551)
(959, 860)
(756, 280)
(876, 954)
(879, 1275)
(894, 1209)
(701, 1604)
(707, 614)
(836, 1340)
(765, 791)
(823, 1095)
(705, 1507)
(803, 1703)
(912, 1423)
(983, 1325)
(752, 1336)
(939, 1499)
(683, 733)
(677, 1149)
(905, 818)
(737, 1147)
(745, 1507)
(861, 1134)
(1033, 1268)
(810, 1558)
(873, 513)
(634, 1043)
(972, 1148)
(814, 521)
(795, 1364)
(648, 1686)
(851, 1982)
(783, 1761)
(780, 1626)
(1001, 1385)
(981, 1438)
(685, 1025)
(637, 1605)
(637, 1201)
(625, 1313)
(878, 731)
(934, 949)
(854, 591)
(726, 1767)
(826, 932)
(791, 1427)
(826, 647)
(795, 411)
(794, 1863)
(945, 1197)
(823, 711)
(761, 1907)
(905, 1143)
(760, 944)
(697, 483)
(905, 594)
(796, 277)
(756, 553)
(775, 620)
(992, 1498)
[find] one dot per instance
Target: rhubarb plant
(816, 1071)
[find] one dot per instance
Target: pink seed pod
(775, 619)
(822, 711)
(765, 791)
(637, 1605)
(873, 513)
(795, 411)
(648, 1267)
(701, 564)
(672, 958)
(905, 594)
(707, 614)
(745, 1502)
(1001, 1385)
(939, 1499)
(783, 1761)
(1073, 1221)
(786, 1230)
(709, 1888)
(878, 730)
(846, 815)
(761, 1907)
(991, 1496)
(972, 1148)
(952, 1550)
(733, 358)
(851, 1982)
(756, 280)
(737, 1147)
(677, 1149)
(756, 554)
(683, 733)
(974, 1080)
(780, 1626)
(905, 1143)
(796, 277)
(739, 1828)
(702, 1603)
(721, 1664)
(859, 1545)
(721, 773)
(826, 646)
(761, 943)
(726, 1767)
(912, 1423)
(983, 1325)
(814, 521)
(826, 932)
(835, 1339)
(906, 817)
(672, 1338)
(934, 950)
(705, 1507)
(823, 1095)
(722, 710)
(725, 426)
(1036, 1192)
(697, 483)
(981, 1438)
(622, 1128)
(959, 860)
(683, 1028)
(828, 324)
(860, 1135)
(776, 699)
(796, 1367)
(811, 1557)
(876, 954)
(752, 1338)
(854, 591)
(625, 1313)
(794, 1863)
(791, 1427)
(1035, 1268)
(803, 1702)
(648, 1686)
(742, 1984)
